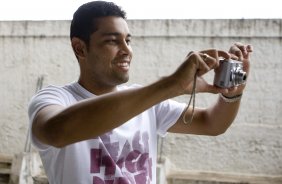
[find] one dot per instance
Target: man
(99, 131)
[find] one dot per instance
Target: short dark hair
(83, 23)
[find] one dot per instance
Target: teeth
(123, 64)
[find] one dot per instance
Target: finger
(242, 48)
(234, 57)
(202, 66)
(190, 53)
(235, 50)
(231, 91)
(249, 48)
(224, 54)
(217, 53)
(245, 50)
(214, 89)
(210, 61)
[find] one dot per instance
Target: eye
(111, 41)
(128, 41)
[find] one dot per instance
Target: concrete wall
(253, 144)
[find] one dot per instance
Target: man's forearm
(222, 114)
(93, 117)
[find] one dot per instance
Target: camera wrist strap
(192, 97)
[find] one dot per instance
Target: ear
(79, 47)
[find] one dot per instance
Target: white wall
(253, 144)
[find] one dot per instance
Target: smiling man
(97, 130)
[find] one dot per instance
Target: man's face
(109, 55)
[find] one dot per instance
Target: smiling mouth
(123, 65)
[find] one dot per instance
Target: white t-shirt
(125, 155)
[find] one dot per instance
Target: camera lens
(240, 77)
(245, 77)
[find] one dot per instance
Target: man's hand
(196, 64)
(241, 53)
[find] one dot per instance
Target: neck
(95, 88)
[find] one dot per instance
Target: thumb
(214, 89)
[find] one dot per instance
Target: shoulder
(50, 95)
(52, 92)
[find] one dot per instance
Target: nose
(125, 48)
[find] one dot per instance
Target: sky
(146, 9)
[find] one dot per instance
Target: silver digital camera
(230, 73)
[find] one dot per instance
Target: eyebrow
(114, 34)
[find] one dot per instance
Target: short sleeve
(51, 95)
(167, 114)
